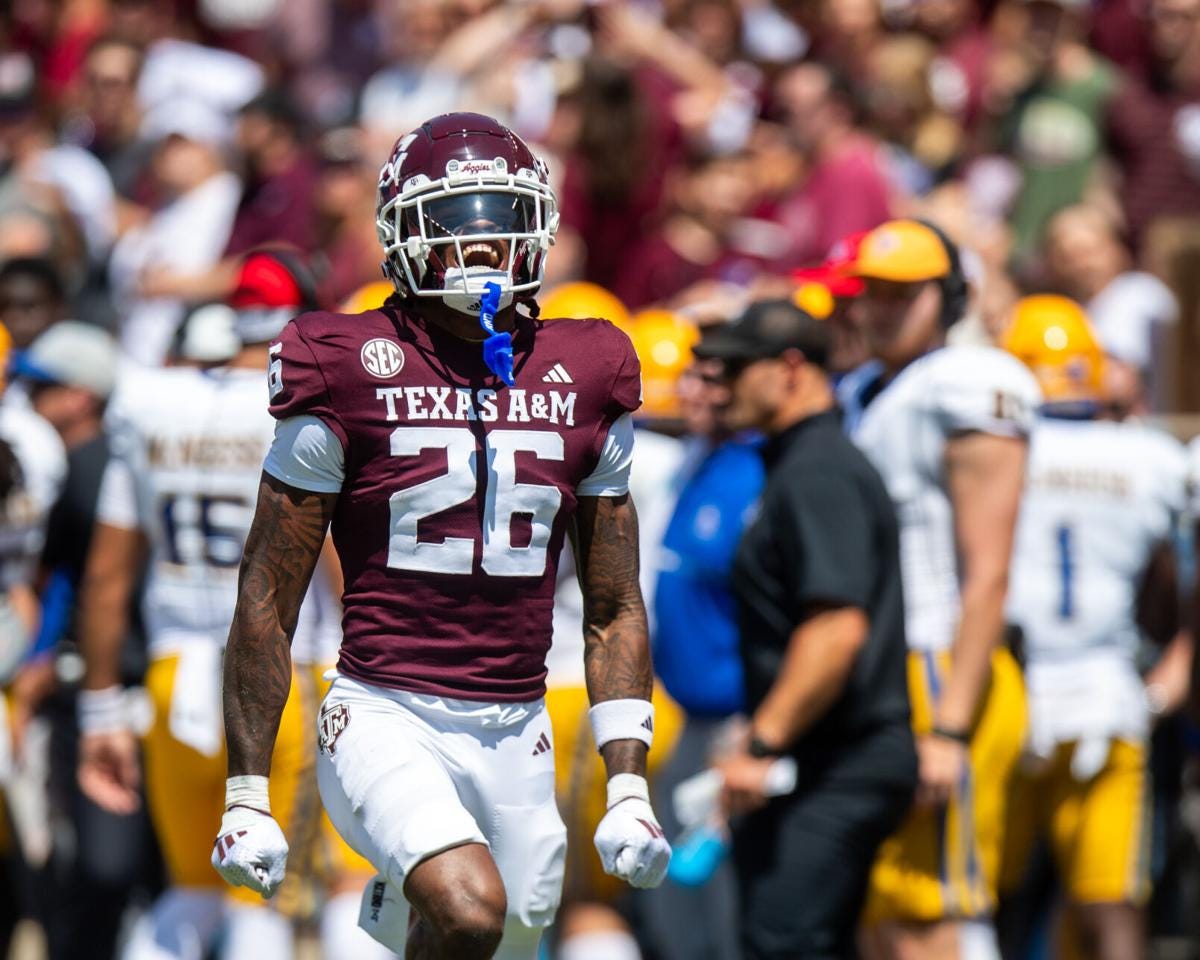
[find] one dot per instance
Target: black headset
(955, 291)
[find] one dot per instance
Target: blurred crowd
(697, 146)
(705, 153)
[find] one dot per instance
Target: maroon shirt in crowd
(607, 227)
(278, 210)
(1155, 137)
(457, 488)
(844, 193)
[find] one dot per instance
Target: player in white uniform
(180, 492)
(1103, 500)
(36, 465)
(946, 427)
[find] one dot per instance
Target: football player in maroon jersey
(451, 464)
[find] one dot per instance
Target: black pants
(688, 923)
(803, 861)
(111, 859)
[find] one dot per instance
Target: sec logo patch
(382, 358)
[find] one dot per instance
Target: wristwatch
(757, 747)
(946, 733)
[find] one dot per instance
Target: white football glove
(630, 840)
(250, 849)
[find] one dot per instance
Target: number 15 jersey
(455, 490)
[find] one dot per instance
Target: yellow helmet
(369, 296)
(1052, 336)
(663, 341)
(580, 300)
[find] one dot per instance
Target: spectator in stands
(846, 188)
(1133, 312)
(958, 74)
(922, 141)
(345, 202)
(849, 31)
(61, 185)
(1154, 124)
(175, 66)
(112, 118)
(412, 86)
(615, 177)
(160, 266)
(31, 298)
(1048, 95)
(278, 203)
(707, 197)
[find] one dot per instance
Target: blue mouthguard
(497, 348)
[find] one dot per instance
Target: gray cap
(73, 354)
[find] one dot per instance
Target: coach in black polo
(817, 578)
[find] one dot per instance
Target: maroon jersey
(457, 488)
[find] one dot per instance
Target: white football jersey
(1194, 477)
(1100, 497)
(42, 465)
(904, 430)
(188, 451)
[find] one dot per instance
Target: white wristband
(627, 786)
(102, 711)
(622, 720)
(248, 791)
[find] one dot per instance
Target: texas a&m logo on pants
(333, 721)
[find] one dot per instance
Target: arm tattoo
(282, 548)
(616, 654)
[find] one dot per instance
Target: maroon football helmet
(462, 202)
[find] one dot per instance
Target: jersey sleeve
(1174, 480)
(1193, 478)
(307, 455)
(297, 383)
(118, 503)
(611, 476)
(986, 391)
(627, 384)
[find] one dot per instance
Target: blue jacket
(696, 641)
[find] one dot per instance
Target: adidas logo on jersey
(543, 744)
(557, 374)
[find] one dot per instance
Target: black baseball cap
(766, 328)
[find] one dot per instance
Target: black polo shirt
(826, 533)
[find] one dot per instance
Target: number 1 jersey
(1100, 497)
(454, 489)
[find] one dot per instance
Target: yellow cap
(815, 299)
(1052, 336)
(663, 342)
(370, 296)
(904, 251)
(581, 300)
